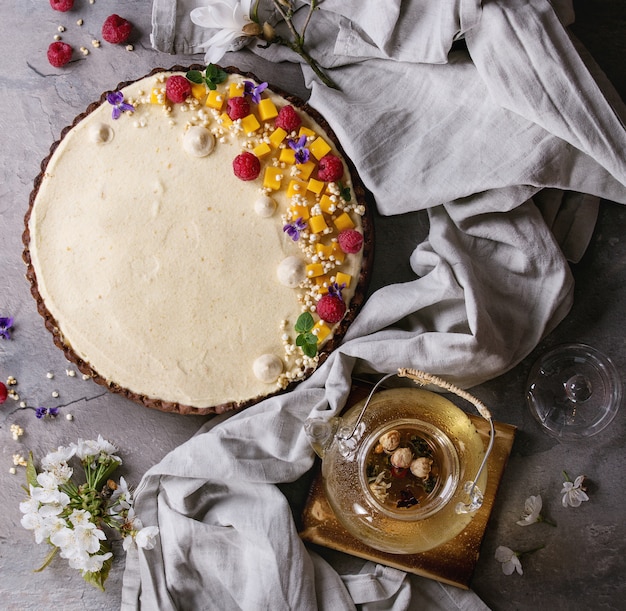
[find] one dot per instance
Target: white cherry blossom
(509, 559)
(573, 492)
(532, 511)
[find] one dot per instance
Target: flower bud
(252, 29)
(420, 467)
(268, 32)
(390, 440)
(401, 458)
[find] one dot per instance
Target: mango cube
(338, 253)
(296, 187)
(315, 186)
(343, 221)
(157, 95)
(305, 169)
(225, 120)
(318, 223)
(250, 124)
(272, 178)
(287, 155)
(321, 330)
(262, 149)
(198, 90)
(314, 269)
(342, 278)
(278, 135)
(267, 109)
(305, 131)
(327, 204)
(235, 90)
(297, 212)
(215, 99)
(319, 147)
(324, 250)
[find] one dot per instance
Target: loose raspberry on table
(288, 119)
(59, 53)
(116, 29)
(331, 308)
(246, 166)
(330, 168)
(3, 392)
(62, 5)
(177, 88)
(350, 241)
(238, 108)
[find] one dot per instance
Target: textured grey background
(583, 562)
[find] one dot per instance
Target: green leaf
(310, 350)
(195, 76)
(304, 323)
(31, 472)
(215, 73)
(344, 191)
(310, 338)
(98, 579)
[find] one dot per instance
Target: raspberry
(330, 168)
(246, 166)
(3, 392)
(59, 53)
(116, 29)
(350, 241)
(177, 89)
(62, 5)
(238, 108)
(288, 119)
(331, 308)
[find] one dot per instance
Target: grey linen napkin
(498, 142)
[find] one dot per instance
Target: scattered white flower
(532, 512)
(573, 492)
(509, 559)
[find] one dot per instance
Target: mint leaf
(310, 350)
(195, 76)
(344, 191)
(214, 76)
(304, 323)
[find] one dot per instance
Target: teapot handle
(422, 379)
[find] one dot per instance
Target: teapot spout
(321, 433)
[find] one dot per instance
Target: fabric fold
(496, 142)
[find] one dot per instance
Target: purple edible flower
(335, 289)
(254, 91)
(116, 99)
(302, 153)
(51, 412)
(293, 229)
(5, 324)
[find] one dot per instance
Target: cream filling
(155, 261)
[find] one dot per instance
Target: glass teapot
(404, 470)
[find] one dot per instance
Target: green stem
(297, 44)
(299, 49)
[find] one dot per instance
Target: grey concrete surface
(583, 563)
